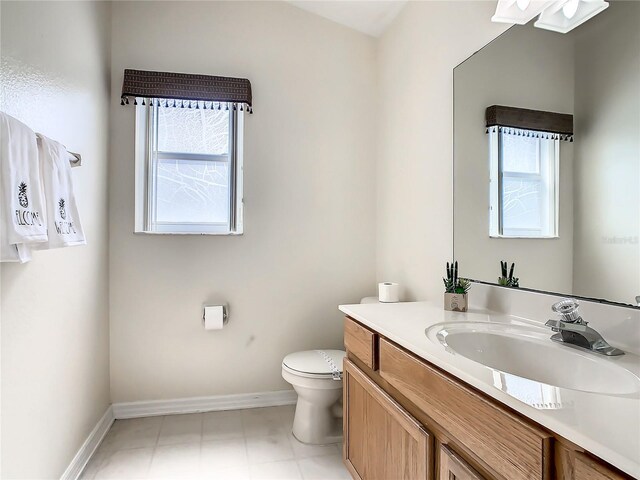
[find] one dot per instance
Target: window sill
(550, 237)
(216, 234)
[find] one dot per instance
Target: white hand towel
(11, 252)
(65, 229)
(22, 215)
(14, 253)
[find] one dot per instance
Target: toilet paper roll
(214, 317)
(388, 292)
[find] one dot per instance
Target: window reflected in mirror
(524, 196)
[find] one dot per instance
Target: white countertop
(606, 425)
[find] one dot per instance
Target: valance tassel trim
(196, 105)
(529, 133)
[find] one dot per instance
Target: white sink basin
(527, 352)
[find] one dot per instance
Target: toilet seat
(320, 364)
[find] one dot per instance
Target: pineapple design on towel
(22, 195)
(63, 213)
(64, 227)
(26, 217)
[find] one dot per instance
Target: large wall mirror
(547, 158)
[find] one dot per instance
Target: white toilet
(316, 376)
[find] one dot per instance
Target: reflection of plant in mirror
(453, 283)
(510, 280)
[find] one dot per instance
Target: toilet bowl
(316, 376)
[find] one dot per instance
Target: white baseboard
(203, 404)
(89, 446)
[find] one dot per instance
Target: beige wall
(530, 68)
(414, 214)
(55, 336)
(327, 100)
(607, 223)
(309, 184)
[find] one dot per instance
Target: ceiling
(367, 16)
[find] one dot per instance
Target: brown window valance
(185, 90)
(522, 121)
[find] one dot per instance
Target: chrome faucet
(573, 330)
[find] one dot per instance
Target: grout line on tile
(159, 431)
(300, 468)
(148, 469)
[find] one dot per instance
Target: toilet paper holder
(225, 315)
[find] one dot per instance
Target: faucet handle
(568, 310)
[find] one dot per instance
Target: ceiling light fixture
(566, 15)
(519, 11)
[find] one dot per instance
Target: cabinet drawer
(361, 342)
(588, 469)
(511, 447)
(452, 467)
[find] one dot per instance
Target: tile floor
(250, 444)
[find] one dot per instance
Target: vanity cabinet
(406, 419)
(508, 445)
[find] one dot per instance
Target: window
(188, 170)
(524, 183)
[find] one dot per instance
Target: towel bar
(75, 159)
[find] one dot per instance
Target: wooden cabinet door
(452, 467)
(588, 469)
(381, 440)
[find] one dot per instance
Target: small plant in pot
(455, 289)
(508, 280)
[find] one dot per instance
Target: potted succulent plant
(455, 289)
(510, 280)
